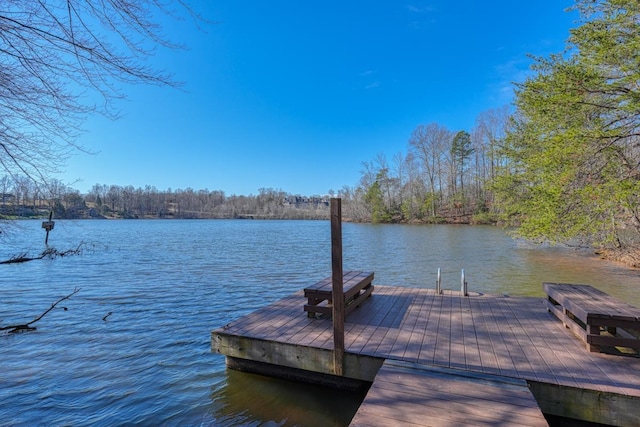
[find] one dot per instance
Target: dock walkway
(420, 395)
(511, 337)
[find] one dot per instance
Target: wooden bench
(600, 320)
(357, 287)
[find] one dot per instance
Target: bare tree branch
(63, 60)
(27, 326)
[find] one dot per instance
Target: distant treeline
(379, 201)
(21, 198)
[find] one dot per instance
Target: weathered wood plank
(429, 341)
(491, 333)
(253, 323)
(443, 332)
(387, 315)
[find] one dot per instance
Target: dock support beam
(337, 279)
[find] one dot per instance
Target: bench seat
(600, 320)
(356, 287)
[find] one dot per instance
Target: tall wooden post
(48, 226)
(337, 282)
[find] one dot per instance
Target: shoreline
(629, 257)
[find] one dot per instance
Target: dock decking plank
(280, 321)
(399, 336)
(412, 350)
(472, 356)
(388, 335)
(505, 362)
(408, 327)
(514, 335)
(429, 340)
(488, 357)
(541, 357)
(443, 333)
(457, 358)
(370, 319)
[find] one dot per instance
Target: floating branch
(20, 258)
(47, 253)
(25, 327)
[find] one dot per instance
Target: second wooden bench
(598, 319)
(356, 288)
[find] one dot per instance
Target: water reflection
(493, 262)
(250, 399)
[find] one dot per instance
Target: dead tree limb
(12, 329)
(21, 258)
(49, 253)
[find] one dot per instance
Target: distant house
(7, 198)
(304, 202)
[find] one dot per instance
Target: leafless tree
(430, 143)
(24, 327)
(490, 130)
(63, 60)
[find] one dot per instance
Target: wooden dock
(513, 338)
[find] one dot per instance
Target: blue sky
(296, 95)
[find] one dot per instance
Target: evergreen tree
(574, 146)
(374, 198)
(461, 149)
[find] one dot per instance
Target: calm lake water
(167, 284)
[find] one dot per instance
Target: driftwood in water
(47, 253)
(25, 327)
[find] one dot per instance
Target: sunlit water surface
(167, 284)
